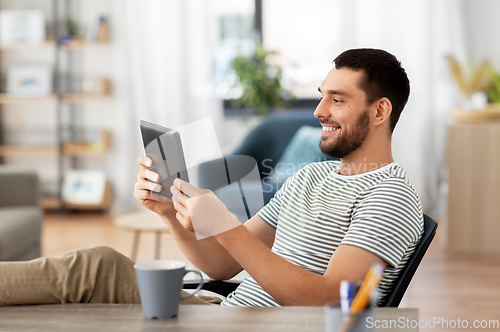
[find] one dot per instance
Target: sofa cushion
(20, 229)
(302, 150)
(19, 187)
(268, 140)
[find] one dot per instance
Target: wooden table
(199, 318)
(139, 222)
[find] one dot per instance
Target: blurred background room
(77, 76)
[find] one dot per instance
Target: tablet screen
(163, 146)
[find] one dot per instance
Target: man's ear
(383, 110)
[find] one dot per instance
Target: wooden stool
(142, 221)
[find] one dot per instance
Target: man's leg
(96, 275)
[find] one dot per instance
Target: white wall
(482, 27)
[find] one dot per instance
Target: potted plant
(472, 86)
(493, 90)
(260, 81)
(481, 89)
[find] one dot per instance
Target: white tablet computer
(163, 146)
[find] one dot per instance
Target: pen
(347, 292)
(344, 296)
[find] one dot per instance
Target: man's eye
(337, 101)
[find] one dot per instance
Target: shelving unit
(69, 146)
(67, 98)
(27, 46)
(8, 99)
(73, 149)
(14, 150)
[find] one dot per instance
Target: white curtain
(164, 61)
(420, 33)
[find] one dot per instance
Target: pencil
(369, 285)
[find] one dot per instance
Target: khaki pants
(96, 275)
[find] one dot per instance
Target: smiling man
(329, 222)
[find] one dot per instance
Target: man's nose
(321, 111)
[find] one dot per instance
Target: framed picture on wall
(29, 79)
(22, 26)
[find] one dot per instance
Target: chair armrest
(18, 188)
(222, 287)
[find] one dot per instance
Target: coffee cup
(160, 286)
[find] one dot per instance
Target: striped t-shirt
(318, 209)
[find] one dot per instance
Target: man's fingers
(146, 174)
(183, 216)
(181, 208)
(177, 195)
(145, 194)
(139, 185)
(145, 190)
(159, 198)
(142, 194)
(187, 188)
(144, 161)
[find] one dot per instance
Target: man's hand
(142, 190)
(200, 210)
(207, 254)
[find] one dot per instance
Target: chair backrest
(401, 284)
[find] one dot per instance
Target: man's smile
(329, 130)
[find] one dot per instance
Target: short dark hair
(383, 77)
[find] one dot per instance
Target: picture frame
(22, 26)
(29, 79)
(84, 186)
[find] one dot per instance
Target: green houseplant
(482, 78)
(493, 90)
(260, 81)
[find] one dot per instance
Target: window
(303, 33)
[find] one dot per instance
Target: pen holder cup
(336, 320)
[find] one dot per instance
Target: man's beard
(346, 142)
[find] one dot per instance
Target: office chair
(392, 299)
(401, 284)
